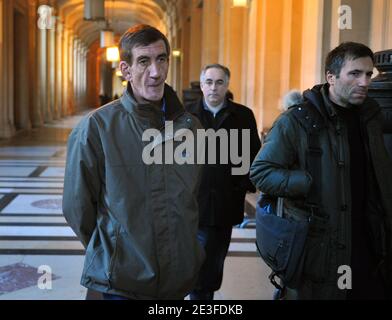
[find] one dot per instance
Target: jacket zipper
(343, 168)
(175, 118)
(111, 266)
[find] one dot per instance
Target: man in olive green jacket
(354, 185)
(137, 220)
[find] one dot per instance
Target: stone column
(76, 75)
(51, 85)
(75, 72)
(252, 55)
(210, 32)
(296, 44)
(77, 84)
(6, 65)
(58, 70)
(64, 67)
(273, 56)
(81, 91)
(312, 26)
(42, 73)
(80, 75)
(84, 77)
(232, 33)
(195, 43)
(92, 76)
(71, 103)
(286, 46)
(35, 109)
(185, 25)
(381, 25)
(20, 69)
(270, 62)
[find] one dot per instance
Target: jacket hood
(292, 98)
(318, 96)
(315, 95)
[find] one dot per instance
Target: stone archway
(121, 15)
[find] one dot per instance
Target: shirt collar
(213, 110)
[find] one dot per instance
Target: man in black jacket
(222, 190)
(341, 184)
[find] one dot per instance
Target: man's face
(148, 71)
(214, 86)
(352, 85)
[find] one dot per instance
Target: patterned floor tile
(242, 249)
(32, 231)
(37, 184)
(244, 233)
(6, 171)
(53, 172)
(31, 220)
(67, 270)
(32, 191)
(56, 247)
(40, 204)
(16, 151)
(19, 276)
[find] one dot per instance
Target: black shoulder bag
(281, 241)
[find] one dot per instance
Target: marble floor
(34, 235)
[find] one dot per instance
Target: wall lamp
(112, 54)
(240, 3)
(176, 53)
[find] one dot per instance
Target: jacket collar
(173, 106)
(198, 108)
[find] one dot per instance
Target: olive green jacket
(137, 221)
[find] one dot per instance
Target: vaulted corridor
(54, 68)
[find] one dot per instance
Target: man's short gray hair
(214, 65)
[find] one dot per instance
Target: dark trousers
(109, 296)
(216, 241)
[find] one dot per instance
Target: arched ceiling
(121, 14)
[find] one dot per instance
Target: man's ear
(331, 78)
(125, 69)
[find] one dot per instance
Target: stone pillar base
(7, 131)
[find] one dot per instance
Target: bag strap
(311, 120)
(272, 279)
